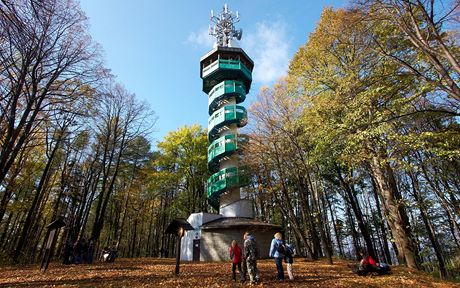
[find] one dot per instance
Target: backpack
(281, 249)
(383, 269)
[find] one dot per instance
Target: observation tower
(226, 72)
(227, 75)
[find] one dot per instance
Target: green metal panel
(227, 64)
(225, 69)
(225, 89)
(225, 179)
(221, 147)
(225, 116)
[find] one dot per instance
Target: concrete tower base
(213, 234)
(240, 208)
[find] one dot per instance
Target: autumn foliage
(357, 149)
(149, 272)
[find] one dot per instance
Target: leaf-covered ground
(152, 272)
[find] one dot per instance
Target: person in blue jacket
(277, 251)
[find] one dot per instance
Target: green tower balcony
(222, 147)
(222, 181)
(226, 89)
(225, 116)
(226, 63)
(223, 69)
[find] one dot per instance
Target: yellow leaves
(186, 142)
(355, 97)
(443, 143)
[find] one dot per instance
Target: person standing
(236, 255)
(289, 259)
(68, 253)
(277, 251)
(244, 264)
(78, 250)
(84, 250)
(251, 255)
(90, 250)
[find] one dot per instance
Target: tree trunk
(383, 230)
(336, 230)
(133, 239)
(9, 189)
(351, 197)
(36, 201)
(5, 230)
(354, 234)
(321, 225)
(308, 219)
(396, 214)
(429, 226)
(293, 219)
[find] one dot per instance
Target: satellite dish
(239, 34)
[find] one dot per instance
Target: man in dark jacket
(251, 255)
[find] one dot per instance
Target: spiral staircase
(227, 77)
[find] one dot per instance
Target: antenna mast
(224, 29)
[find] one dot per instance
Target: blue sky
(154, 47)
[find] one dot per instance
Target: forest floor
(154, 272)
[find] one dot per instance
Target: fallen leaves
(152, 272)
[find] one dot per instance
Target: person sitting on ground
(108, 254)
(112, 256)
(105, 254)
(113, 252)
(368, 265)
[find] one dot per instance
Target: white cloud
(201, 38)
(269, 48)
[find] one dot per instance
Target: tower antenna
(224, 28)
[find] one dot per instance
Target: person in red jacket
(367, 260)
(367, 263)
(235, 255)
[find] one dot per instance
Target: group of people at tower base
(246, 259)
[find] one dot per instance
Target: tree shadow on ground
(120, 281)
